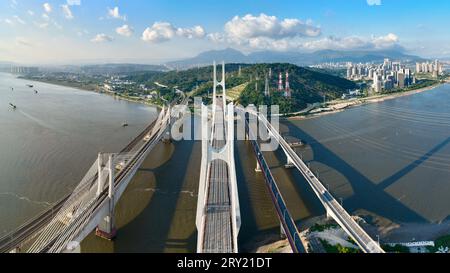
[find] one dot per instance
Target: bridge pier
(166, 138)
(258, 167)
(329, 213)
(282, 232)
(106, 229)
(289, 164)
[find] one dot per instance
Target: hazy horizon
(62, 32)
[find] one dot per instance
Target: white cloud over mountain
(265, 32)
(265, 26)
(354, 42)
(164, 31)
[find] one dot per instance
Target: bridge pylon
(106, 228)
(210, 154)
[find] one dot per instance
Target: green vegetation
(443, 241)
(320, 228)
(338, 248)
(306, 86)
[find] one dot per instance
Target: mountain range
(230, 55)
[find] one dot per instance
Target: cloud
(41, 25)
(30, 12)
(74, 2)
(125, 30)
(159, 32)
(389, 41)
(19, 20)
(164, 31)
(190, 33)
(23, 42)
(100, 38)
(47, 7)
(266, 32)
(8, 21)
(374, 2)
(264, 26)
(67, 12)
(14, 21)
(115, 13)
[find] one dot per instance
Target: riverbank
(325, 236)
(92, 88)
(340, 105)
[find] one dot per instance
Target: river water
(52, 138)
(388, 159)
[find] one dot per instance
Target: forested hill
(307, 86)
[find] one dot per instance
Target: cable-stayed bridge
(333, 208)
(91, 205)
(218, 215)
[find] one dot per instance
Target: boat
(13, 106)
(30, 85)
(124, 124)
(35, 91)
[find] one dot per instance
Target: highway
(218, 222)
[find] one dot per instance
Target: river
(389, 160)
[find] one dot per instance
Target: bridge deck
(365, 242)
(218, 224)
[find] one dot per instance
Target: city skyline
(65, 31)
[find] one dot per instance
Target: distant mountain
(234, 56)
(103, 69)
(228, 55)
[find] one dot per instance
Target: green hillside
(307, 86)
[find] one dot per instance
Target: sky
(156, 31)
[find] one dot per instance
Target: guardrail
(285, 217)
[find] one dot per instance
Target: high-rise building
(400, 79)
(376, 83)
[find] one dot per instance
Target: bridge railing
(289, 226)
(366, 243)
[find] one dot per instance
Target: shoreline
(339, 106)
(92, 90)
